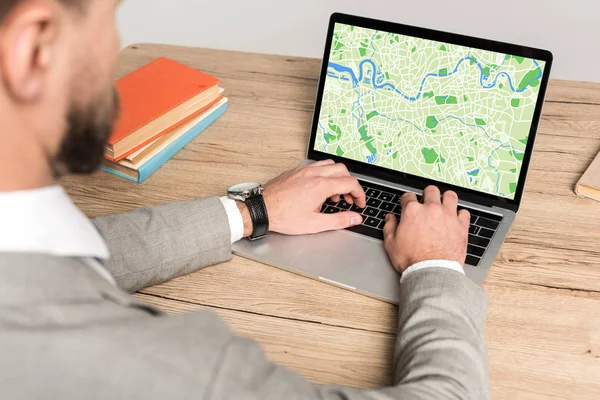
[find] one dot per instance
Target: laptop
(403, 108)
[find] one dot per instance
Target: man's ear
(28, 41)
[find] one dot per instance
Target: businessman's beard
(88, 130)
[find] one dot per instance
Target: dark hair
(7, 5)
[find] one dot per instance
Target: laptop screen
(441, 111)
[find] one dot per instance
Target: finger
(331, 170)
(407, 198)
(320, 163)
(335, 198)
(348, 199)
(346, 185)
(389, 229)
(464, 217)
(450, 201)
(332, 222)
(431, 194)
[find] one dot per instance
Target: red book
(155, 99)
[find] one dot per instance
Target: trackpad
(342, 258)
(350, 260)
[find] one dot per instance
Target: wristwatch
(252, 194)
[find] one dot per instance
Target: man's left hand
(294, 199)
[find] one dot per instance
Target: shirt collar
(45, 221)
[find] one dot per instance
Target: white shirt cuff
(453, 265)
(236, 223)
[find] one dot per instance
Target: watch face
(244, 188)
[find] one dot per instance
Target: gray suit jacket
(67, 333)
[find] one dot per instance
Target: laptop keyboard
(383, 200)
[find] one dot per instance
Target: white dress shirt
(236, 222)
(45, 221)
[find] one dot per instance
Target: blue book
(149, 167)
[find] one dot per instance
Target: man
(68, 331)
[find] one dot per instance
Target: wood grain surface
(543, 328)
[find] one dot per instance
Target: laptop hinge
(495, 204)
(491, 203)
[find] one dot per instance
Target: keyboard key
(478, 241)
(357, 209)
(343, 205)
(330, 210)
(323, 207)
(386, 206)
(367, 231)
(475, 250)
(373, 202)
(487, 223)
(330, 202)
(474, 230)
(370, 212)
(472, 260)
(372, 193)
(382, 214)
(487, 233)
(493, 217)
(370, 221)
(386, 196)
(377, 210)
(473, 218)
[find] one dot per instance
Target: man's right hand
(429, 231)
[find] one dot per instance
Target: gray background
(568, 28)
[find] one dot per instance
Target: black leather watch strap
(258, 214)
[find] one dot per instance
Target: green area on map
(441, 111)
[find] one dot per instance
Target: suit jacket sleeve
(152, 245)
(440, 352)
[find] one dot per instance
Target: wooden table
(543, 328)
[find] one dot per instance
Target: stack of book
(164, 106)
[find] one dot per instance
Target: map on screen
(445, 112)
